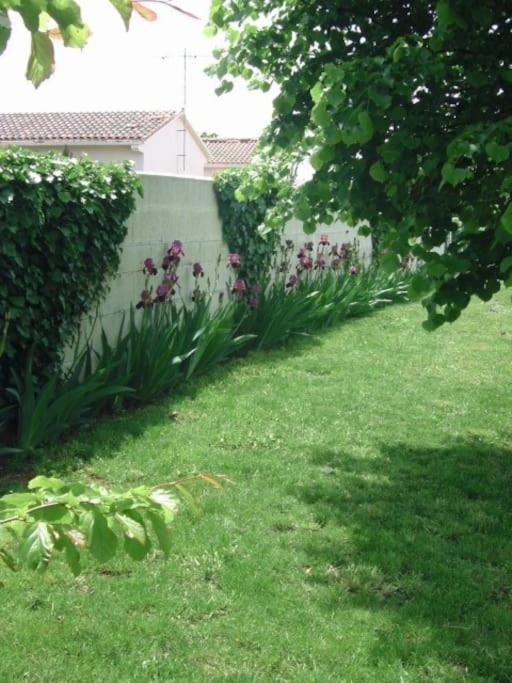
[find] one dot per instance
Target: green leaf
(164, 500)
(497, 152)
(378, 172)
(506, 264)
(48, 483)
(389, 263)
(53, 513)
(283, 103)
(18, 500)
(381, 99)
(36, 548)
(69, 20)
(162, 532)
(100, 538)
(506, 219)
(317, 92)
(124, 7)
(132, 528)
(72, 556)
(420, 287)
(8, 559)
(30, 11)
(136, 541)
(366, 129)
(454, 176)
(41, 61)
(321, 157)
(5, 30)
(320, 115)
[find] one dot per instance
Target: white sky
(141, 69)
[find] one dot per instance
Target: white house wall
(103, 153)
(163, 151)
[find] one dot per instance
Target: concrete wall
(185, 209)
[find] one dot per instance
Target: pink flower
(292, 281)
(171, 278)
(239, 288)
(305, 263)
(324, 240)
(233, 260)
(354, 270)
(253, 302)
(161, 291)
(149, 267)
(255, 289)
(176, 249)
(319, 262)
(145, 299)
(302, 253)
(197, 270)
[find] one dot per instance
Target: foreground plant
(61, 20)
(71, 519)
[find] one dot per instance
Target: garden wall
(185, 209)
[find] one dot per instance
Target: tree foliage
(49, 20)
(404, 110)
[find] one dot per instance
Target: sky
(138, 69)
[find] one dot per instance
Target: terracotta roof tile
(230, 150)
(116, 126)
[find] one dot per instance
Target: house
(226, 153)
(155, 141)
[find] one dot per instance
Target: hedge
(62, 222)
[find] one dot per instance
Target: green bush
(242, 216)
(62, 222)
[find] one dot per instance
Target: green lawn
(367, 535)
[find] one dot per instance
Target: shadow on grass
(426, 536)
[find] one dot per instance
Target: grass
(367, 535)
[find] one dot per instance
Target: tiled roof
(115, 126)
(230, 150)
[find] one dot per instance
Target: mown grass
(366, 537)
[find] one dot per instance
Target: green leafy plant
(62, 223)
(147, 356)
(215, 337)
(55, 517)
(43, 414)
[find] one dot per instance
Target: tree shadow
(424, 537)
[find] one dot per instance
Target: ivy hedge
(242, 214)
(62, 223)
